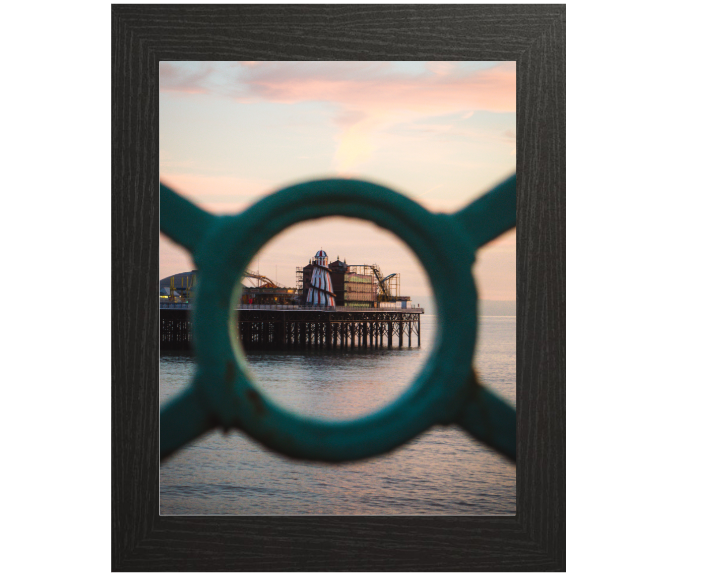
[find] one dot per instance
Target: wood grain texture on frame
(533, 36)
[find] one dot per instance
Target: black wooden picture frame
(533, 36)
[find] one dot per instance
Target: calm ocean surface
(441, 472)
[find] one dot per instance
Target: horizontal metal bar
(183, 419)
(181, 220)
(489, 418)
(491, 214)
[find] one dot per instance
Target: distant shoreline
(487, 307)
(487, 315)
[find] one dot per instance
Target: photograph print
(332, 320)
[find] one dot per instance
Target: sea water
(441, 472)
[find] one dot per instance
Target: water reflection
(441, 472)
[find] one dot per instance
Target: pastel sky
(439, 132)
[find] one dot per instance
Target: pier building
(356, 285)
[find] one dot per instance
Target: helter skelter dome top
(321, 258)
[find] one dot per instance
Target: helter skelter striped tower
(320, 292)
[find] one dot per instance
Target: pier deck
(289, 327)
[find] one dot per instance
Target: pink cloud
(175, 78)
(441, 68)
(373, 96)
(355, 85)
(347, 118)
(369, 97)
(375, 86)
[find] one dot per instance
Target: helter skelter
(320, 292)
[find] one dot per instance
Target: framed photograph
(319, 58)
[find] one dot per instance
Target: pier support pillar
(401, 333)
(390, 334)
(276, 330)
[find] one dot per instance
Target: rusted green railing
(446, 391)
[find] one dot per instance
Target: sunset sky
(438, 132)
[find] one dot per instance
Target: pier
(296, 327)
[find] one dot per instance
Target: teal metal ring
(223, 383)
